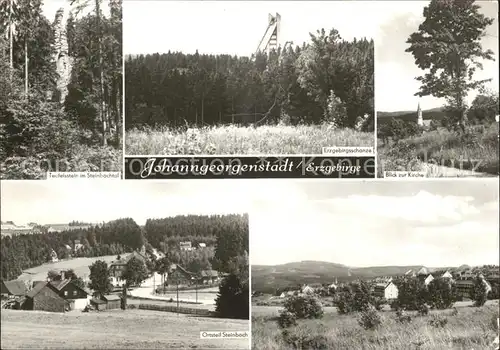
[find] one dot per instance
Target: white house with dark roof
(389, 290)
(307, 289)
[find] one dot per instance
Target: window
(74, 292)
(65, 293)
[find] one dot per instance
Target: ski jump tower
(270, 40)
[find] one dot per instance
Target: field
(471, 328)
(160, 302)
(79, 265)
(227, 140)
(115, 329)
(441, 153)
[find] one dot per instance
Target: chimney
(63, 276)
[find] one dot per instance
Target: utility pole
(177, 281)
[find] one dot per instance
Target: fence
(181, 310)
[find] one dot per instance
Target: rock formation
(61, 56)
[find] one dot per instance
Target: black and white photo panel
(436, 67)
(419, 270)
(61, 89)
(249, 89)
(124, 265)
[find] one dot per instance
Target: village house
(13, 289)
(117, 267)
(446, 274)
(57, 296)
(465, 287)
(53, 256)
(410, 273)
(202, 245)
(288, 293)
(43, 297)
(389, 291)
(209, 277)
(185, 246)
(333, 286)
(76, 297)
(11, 229)
(424, 276)
(180, 275)
(106, 302)
(77, 246)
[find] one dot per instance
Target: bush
(402, 316)
(303, 339)
(370, 319)
(394, 305)
(438, 321)
(336, 112)
(479, 292)
(286, 319)
(345, 301)
(411, 294)
(304, 306)
(362, 297)
(441, 293)
(423, 310)
(378, 303)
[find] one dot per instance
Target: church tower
(420, 120)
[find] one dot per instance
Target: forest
(201, 89)
(60, 87)
(120, 236)
(188, 103)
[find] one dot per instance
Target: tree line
(327, 79)
(482, 111)
(60, 98)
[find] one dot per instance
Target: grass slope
(79, 265)
(114, 329)
(244, 140)
(471, 328)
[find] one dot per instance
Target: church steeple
(420, 119)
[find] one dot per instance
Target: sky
(235, 27)
(377, 223)
(95, 201)
(395, 69)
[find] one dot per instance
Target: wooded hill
(124, 235)
(326, 78)
(267, 279)
(436, 114)
(60, 88)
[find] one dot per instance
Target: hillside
(269, 278)
(429, 114)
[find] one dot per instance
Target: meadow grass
(433, 152)
(115, 329)
(472, 328)
(227, 140)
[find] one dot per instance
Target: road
(204, 296)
